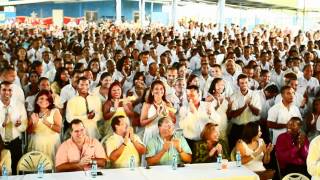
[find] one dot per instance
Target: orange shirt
(68, 152)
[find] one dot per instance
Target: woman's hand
(34, 118)
(269, 148)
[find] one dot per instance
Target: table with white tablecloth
(189, 172)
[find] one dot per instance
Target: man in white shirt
(70, 90)
(86, 107)
(123, 144)
(13, 120)
(313, 159)
(195, 115)
(34, 54)
(9, 74)
(51, 73)
(282, 112)
(46, 61)
(205, 79)
(277, 74)
(246, 107)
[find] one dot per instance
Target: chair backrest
(29, 162)
(295, 176)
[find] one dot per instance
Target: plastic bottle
(219, 161)
(94, 169)
(174, 162)
(4, 173)
(40, 170)
(132, 163)
(238, 159)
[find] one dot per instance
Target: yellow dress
(45, 139)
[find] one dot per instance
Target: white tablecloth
(189, 172)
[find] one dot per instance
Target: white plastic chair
(295, 176)
(29, 162)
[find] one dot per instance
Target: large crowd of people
(109, 92)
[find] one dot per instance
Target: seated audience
(123, 144)
(161, 148)
(78, 152)
(207, 150)
(292, 148)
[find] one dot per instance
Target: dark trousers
(235, 135)
(15, 148)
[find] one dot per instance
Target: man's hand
(84, 161)
(176, 144)
(18, 122)
(91, 114)
(166, 145)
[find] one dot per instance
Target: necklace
(43, 114)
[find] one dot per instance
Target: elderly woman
(161, 148)
(207, 150)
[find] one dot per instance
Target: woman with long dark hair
(154, 108)
(61, 79)
(44, 125)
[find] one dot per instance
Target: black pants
(15, 148)
(235, 135)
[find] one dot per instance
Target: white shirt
(265, 104)
(239, 100)
(313, 159)
(195, 63)
(205, 85)
(277, 78)
(67, 92)
(303, 83)
(246, 61)
(18, 94)
(281, 114)
(51, 74)
(193, 123)
(47, 66)
(16, 111)
(34, 55)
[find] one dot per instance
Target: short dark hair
(82, 79)
(75, 121)
(161, 120)
(284, 88)
(272, 89)
(193, 87)
(115, 121)
(249, 131)
(5, 83)
(242, 76)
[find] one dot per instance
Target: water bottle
(94, 169)
(4, 172)
(40, 170)
(238, 159)
(174, 162)
(132, 163)
(219, 161)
